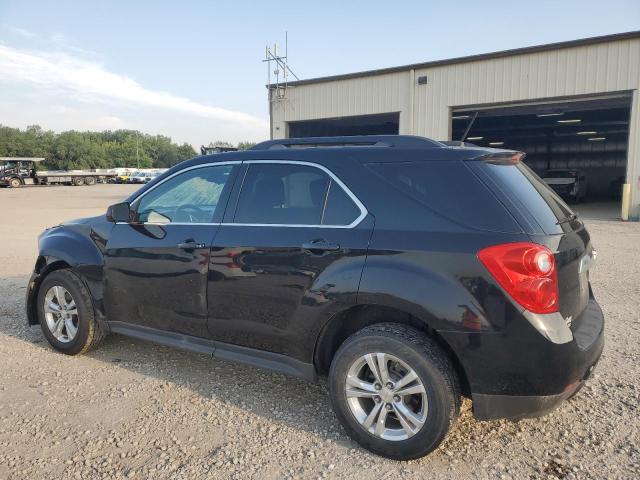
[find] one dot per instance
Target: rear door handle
(190, 245)
(320, 246)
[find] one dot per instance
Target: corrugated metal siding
(582, 70)
(592, 69)
(388, 93)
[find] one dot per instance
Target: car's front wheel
(394, 390)
(66, 315)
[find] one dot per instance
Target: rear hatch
(548, 220)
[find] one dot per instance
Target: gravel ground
(135, 410)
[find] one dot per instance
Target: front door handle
(190, 245)
(320, 246)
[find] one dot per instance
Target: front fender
(74, 246)
(71, 244)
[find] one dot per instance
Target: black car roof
(335, 152)
(363, 149)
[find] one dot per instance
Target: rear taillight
(527, 271)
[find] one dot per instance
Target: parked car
(122, 178)
(406, 271)
(569, 184)
(137, 177)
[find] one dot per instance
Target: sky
(193, 70)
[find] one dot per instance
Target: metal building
(571, 105)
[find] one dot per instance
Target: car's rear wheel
(394, 390)
(66, 313)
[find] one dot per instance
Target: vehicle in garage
(569, 184)
(407, 271)
(18, 171)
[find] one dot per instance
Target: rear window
(450, 189)
(524, 186)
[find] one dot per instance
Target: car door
(289, 255)
(156, 266)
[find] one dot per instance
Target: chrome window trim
(363, 210)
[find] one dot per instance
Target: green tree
(83, 150)
(245, 145)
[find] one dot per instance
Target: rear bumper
(519, 373)
(515, 407)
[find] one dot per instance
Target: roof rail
(406, 141)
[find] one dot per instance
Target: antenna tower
(278, 69)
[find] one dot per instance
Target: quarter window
(339, 209)
(190, 197)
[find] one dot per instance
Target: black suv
(407, 271)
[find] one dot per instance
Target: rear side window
(522, 184)
(282, 194)
(292, 194)
(451, 190)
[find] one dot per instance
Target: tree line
(85, 150)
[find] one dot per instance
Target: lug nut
(376, 399)
(390, 385)
(377, 386)
(396, 398)
(388, 406)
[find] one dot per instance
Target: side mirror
(119, 212)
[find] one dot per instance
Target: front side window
(190, 197)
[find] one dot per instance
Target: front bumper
(519, 373)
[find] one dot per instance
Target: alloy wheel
(386, 396)
(61, 314)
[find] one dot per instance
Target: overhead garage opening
(582, 138)
(379, 124)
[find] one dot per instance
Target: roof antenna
(466, 132)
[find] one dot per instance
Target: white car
(142, 177)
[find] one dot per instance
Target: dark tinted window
(340, 209)
(450, 189)
(190, 197)
(282, 194)
(529, 189)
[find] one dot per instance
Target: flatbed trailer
(19, 171)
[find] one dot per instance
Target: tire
(14, 182)
(77, 181)
(576, 391)
(88, 332)
(401, 345)
(90, 181)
